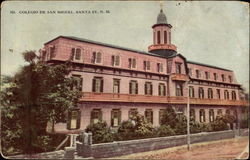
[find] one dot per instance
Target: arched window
(211, 115)
(158, 37)
(202, 116)
(191, 91)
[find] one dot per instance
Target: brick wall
(105, 150)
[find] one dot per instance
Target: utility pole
(188, 118)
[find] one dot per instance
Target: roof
(161, 18)
(202, 64)
(104, 44)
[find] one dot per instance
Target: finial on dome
(161, 18)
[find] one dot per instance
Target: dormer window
(115, 60)
(97, 57)
(178, 68)
(222, 77)
(76, 54)
(159, 67)
(198, 73)
(146, 65)
(207, 74)
(190, 71)
(132, 63)
(215, 76)
(230, 79)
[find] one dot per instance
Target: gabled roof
(104, 44)
(206, 65)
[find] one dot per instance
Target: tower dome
(161, 19)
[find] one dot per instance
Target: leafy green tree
(36, 94)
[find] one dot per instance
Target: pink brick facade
(170, 70)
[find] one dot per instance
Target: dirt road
(216, 150)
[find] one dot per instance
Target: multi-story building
(116, 81)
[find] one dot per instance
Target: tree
(38, 93)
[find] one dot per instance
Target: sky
(210, 32)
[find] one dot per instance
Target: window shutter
(136, 88)
(151, 120)
(101, 85)
(134, 63)
(144, 65)
(69, 119)
(112, 60)
(164, 90)
(119, 117)
(159, 90)
(112, 118)
(93, 57)
(78, 123)
(100, 115)
(151, 89)
(130, 87)
(145, 88)
(72, 54)
(93, 85)
(92, 117)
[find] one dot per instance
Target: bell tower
(162, 37)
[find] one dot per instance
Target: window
(74, 119)
(161, 113)
(190, 71)
(202, 116)
(162, 89)
(227, 111)
(218, 93)
(201, 92)
(222, 77)
(146, 65)
(159, 67)
(165, 37)
(77, 82)
(115, 117)
(158, 37)
(169, 66)
(149, 115)
(179, 90)
(116, 86)
(148, 88)
(96, 116)
(97, 57)
(211, 115)
(191, 91)
(132, 112)
(210, 93)
(219, 112)
(233, 95)
(215, 76)
(75, 54)
(132, 62)
(226, 94)
(230, 79)
(115, 60)
(133, 87)
(178, 68)
(192, 114)
(97, 85)
(207, 74)
(198, 74)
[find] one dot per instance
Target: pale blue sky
(211, 32)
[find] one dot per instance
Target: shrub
(164, 130)
(101, 132)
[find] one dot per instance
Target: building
(117, 81)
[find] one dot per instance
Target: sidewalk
(215, 150)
